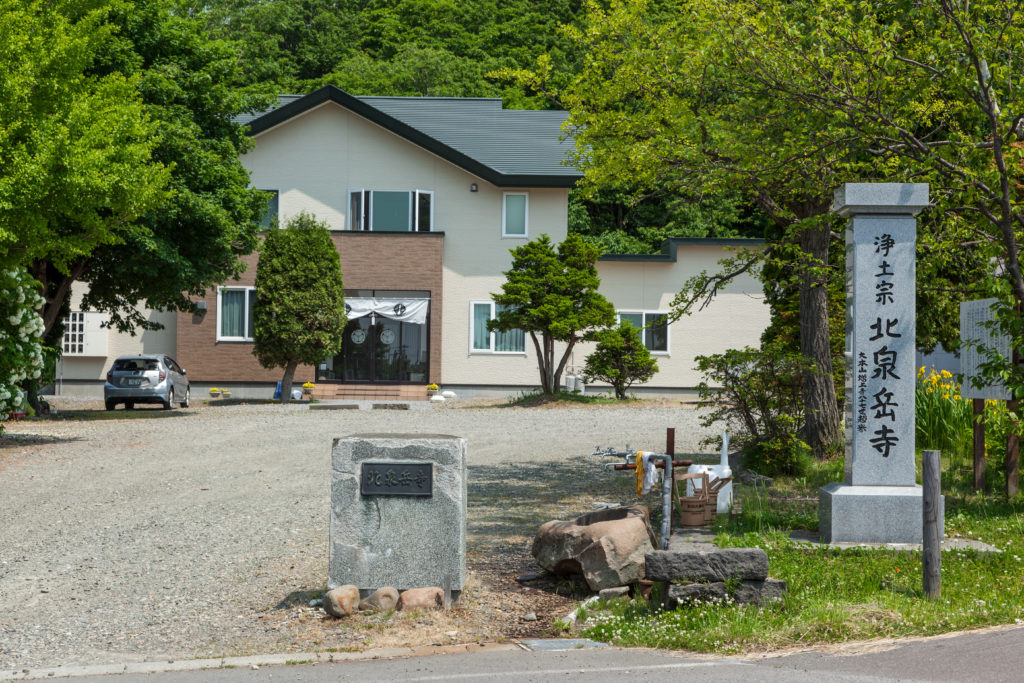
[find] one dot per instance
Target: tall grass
(944, 418)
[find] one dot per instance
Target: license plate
(133, 382)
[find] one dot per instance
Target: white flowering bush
(21, 329)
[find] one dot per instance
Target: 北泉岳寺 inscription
(396, 479)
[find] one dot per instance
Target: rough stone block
(718, 564)
(759, 592)
(606, 546)
(397, 540)
(694, 592)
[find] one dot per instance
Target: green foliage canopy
(620, 359)
(552, 295)
(76, 165)
(299, 317)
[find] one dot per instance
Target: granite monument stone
(398, 512)
(879, 500)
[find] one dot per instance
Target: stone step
(703, 563)
(744, 593)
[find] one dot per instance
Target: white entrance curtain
(406, 310)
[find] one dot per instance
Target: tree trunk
(286, 382)
(540, 363)
(820, 406)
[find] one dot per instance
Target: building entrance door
(379, 349)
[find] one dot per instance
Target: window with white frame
(234, 313)
(402, 211)
(483, 340)
(74, 334)
(653, 328)
(269, 218)
(84, 334)
(515, 214)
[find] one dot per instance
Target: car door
(177, 379)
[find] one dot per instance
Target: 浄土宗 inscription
(878, 501)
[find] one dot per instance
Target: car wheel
(170, 399)
(188, 391)
(110, 404)
(129, 405)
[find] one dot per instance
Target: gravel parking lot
(203, 532)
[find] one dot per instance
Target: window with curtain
(235, 313)
(485, 341)
(514, 214)
(399, 211)
(653, 328)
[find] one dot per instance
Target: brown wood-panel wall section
(382, 261)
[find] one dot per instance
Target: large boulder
(607, 546)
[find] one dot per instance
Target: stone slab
(887, 198)
(973, 316)
(694, 592)
(948, 544)
(713, 564)
(872, 514)
(401, 541)
(759, 592)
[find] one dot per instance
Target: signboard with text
(973, 331)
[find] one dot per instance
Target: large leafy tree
(191, 239)
(551, 294)
(76, 165)
(299, 317)
(661, 103)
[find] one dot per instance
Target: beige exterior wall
(84, 375)
(314, 160)
(735, 318)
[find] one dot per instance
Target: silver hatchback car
(146, 379)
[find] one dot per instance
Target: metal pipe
(666, 498)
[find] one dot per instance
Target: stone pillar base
(872, 514)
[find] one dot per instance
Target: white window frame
(220, 307)
(526, 215)
(366, 203)
(73, 343)
(490, 335)
(644, 329)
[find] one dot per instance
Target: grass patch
(838, 595)
(533, 399)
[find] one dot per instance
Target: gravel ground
(203, 532)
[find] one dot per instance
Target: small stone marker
(398, 512)
(879, 500)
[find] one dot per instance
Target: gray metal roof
(507, 147)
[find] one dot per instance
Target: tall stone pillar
(879, 500)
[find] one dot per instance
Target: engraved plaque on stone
(396, 479)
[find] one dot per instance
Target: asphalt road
(994, 655)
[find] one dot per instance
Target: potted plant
(432, 389)
(307, 388)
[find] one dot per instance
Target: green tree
(299, 317)
(663, 103)
(620, 359)
(192, 238)
(76, 166)
(552, 295)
